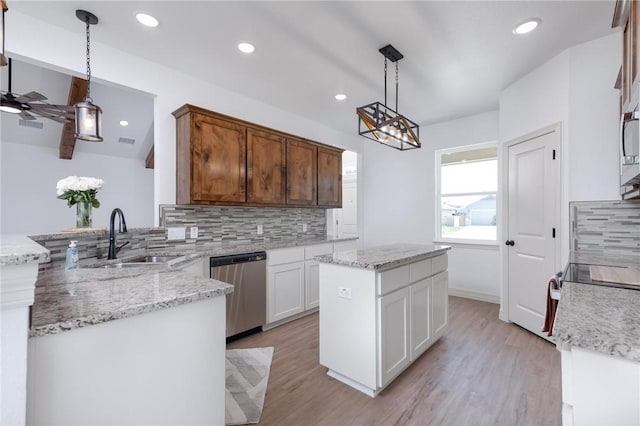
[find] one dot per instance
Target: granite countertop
(18, 250)
(384, 257)
(599, 318)
(65, 300)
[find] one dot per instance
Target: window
(467, 184)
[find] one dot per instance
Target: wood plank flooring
(482, 372)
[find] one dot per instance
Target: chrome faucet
(122, 228)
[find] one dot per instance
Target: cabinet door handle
(510, 243)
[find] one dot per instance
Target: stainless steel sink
(132, 264)
(142, 261)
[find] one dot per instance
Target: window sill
(469, 244)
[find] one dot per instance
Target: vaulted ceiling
(459, 55)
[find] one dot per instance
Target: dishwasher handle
(237, 258)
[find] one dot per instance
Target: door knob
(510, 243)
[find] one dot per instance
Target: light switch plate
(304, 227)
(176, 233)
(194, 232)
(259, 230)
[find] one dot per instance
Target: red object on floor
(552, 305)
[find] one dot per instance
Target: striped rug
(246, 383)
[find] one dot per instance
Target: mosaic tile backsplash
(219, 223)
(613, 226)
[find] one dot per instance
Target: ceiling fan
(32, 105)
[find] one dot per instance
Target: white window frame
(438, 217)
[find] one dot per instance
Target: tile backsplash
(223, 224)
(613, 226)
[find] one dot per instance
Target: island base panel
(161, 367)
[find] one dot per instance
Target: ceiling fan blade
(50, 116)
(31, 97)
(62, 109)
(26, 116)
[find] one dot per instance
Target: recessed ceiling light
(146, 19)
(340, 97)
(124, 123)
(527, 26)
(246, 47)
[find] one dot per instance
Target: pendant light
(88, 116)
(382, 124)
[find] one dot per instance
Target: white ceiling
(118, 103)
(458, 55)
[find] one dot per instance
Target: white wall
(28, 203)
(576, 89)
(58, 48)
(399, 201)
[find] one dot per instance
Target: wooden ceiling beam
(77, 92)
(149, 162)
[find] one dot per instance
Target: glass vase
(83, 215)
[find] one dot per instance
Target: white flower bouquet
(77, 189)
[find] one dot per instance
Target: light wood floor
(482, 372)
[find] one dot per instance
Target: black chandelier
(382, 124)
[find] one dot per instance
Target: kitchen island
(380, 309)
(597, 331)
(138, 345)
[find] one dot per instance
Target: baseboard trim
(482, 297)
(289, 319)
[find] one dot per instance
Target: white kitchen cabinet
(393, 349)
(293, 279)
(285, 291)
(380, 322)
(599, 389)
(420, 317)
(311, 276)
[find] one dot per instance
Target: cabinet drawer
(419, 270)
(439, 264)
(285, 255)
(317, 250)
(392, 280)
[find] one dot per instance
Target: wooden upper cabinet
(211, 159)
(329, 177)
(225, 161)
(266, 157)
(302, 175)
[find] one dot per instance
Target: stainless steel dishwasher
(247, 305)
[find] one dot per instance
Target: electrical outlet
(304, 227)
(259, 230)
(176, 233)
(194, 232)
(344, 292)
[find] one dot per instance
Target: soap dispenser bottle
(72, 256)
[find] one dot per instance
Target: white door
(532, 225)
(348, 218)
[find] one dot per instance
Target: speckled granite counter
(384, 257)
(65, 300)
(17, 250)
(599, 318)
